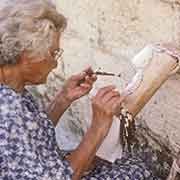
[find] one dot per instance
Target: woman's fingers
(115, 104)
(90, 75)
(89, 80)
(105, 105)
(101, 93)
(109, 100)
(89, 71)
(78, 77)
(108, 96)
(112, 101)
(87, 76)
(86, 86)
(93, 77)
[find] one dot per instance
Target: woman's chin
(42, 80)
(38, 81)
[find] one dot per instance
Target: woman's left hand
(75, 87)
(79, 85)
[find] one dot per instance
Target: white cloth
(111, 148)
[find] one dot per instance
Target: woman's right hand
(105, 105)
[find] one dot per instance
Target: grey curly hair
(27, 25)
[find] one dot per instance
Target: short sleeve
(9, 133)
(26, 153)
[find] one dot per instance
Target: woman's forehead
(33, 8)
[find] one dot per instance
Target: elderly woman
(29, 49)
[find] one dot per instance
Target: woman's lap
(127, 168)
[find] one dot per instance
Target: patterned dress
(29, 151)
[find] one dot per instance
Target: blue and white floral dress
(29, 151)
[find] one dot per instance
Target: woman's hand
(75, 87)
(79, 85)
(105, 105)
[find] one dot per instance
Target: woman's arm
(57, 107)
(82, 157)
(104, 105)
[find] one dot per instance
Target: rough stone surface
(108, 34)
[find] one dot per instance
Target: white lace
(141, 62)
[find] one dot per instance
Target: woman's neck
(10, 76)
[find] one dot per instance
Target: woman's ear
(9, 49)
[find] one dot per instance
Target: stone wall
(108, 34)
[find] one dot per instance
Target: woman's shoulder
(10, 101)
(8, 94)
